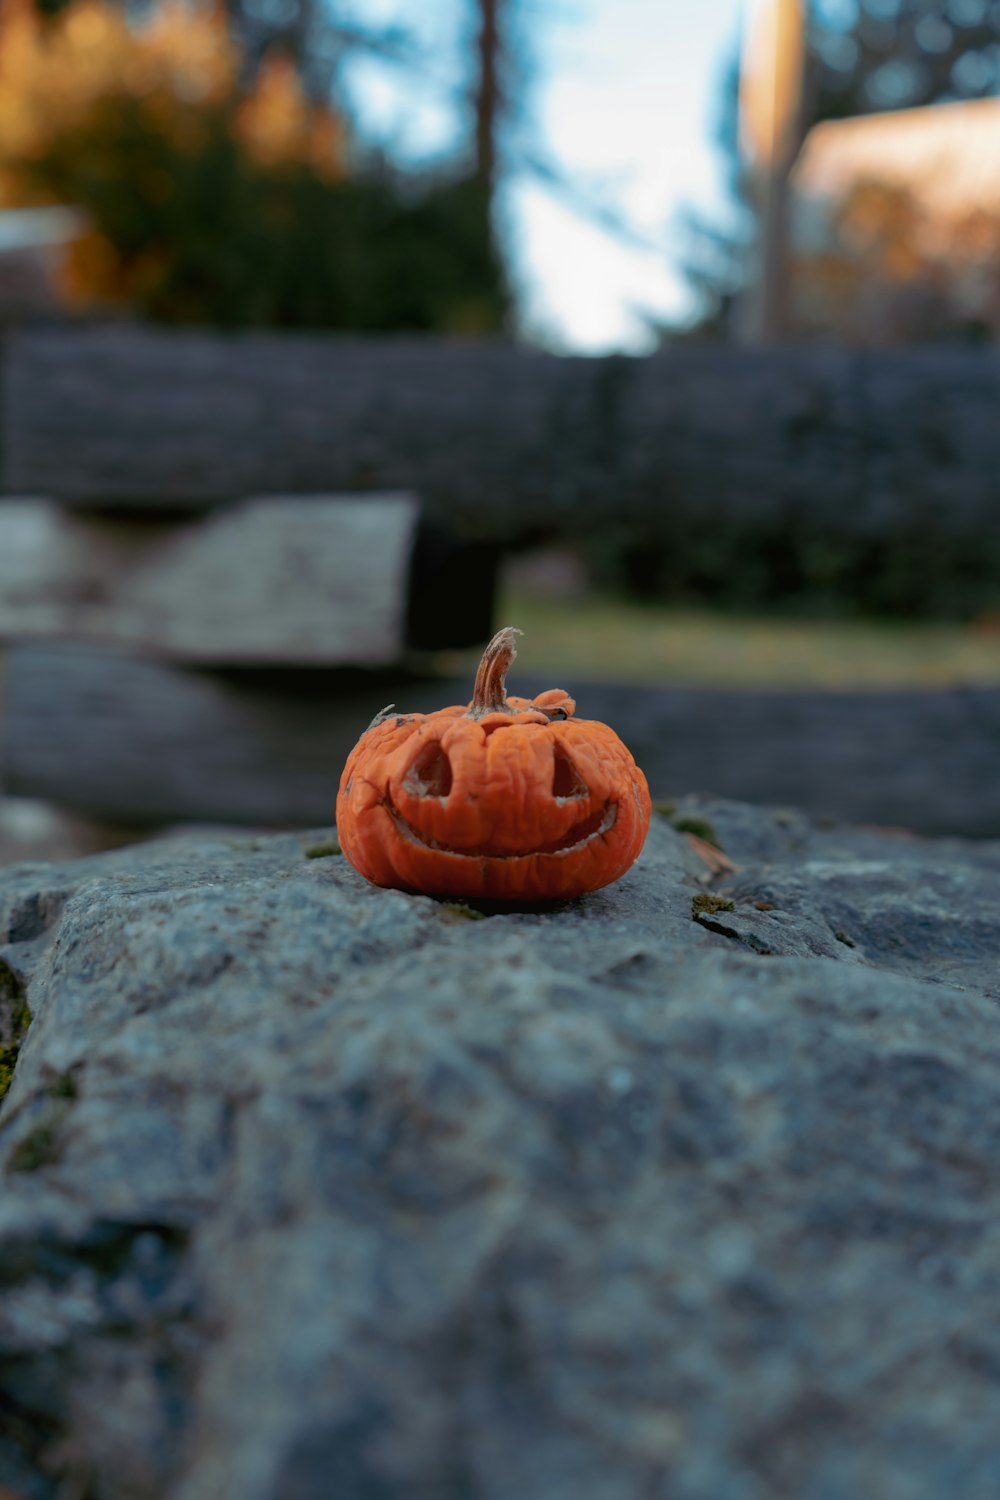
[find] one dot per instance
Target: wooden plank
(501, 441)
(745, 434)
(320, 580)
(138, 741)
(135, 418)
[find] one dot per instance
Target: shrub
(210, 199)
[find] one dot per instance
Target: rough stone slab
(313, 1185)
(801, 889)
(131, 740)
(318, 580)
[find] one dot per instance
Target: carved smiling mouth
(586, 831)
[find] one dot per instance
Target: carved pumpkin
(507, 799)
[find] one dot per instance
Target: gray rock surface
(318, 1192)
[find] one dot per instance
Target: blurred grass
(604, 638)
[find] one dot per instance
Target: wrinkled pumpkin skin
(523, 804)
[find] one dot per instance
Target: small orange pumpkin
(509, 799)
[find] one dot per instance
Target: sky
(623, 97)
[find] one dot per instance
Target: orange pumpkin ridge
(508, 799)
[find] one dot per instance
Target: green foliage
(219, 194)
(213, 237)
(900, 54)
(798, 560)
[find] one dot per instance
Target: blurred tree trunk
(488, 101)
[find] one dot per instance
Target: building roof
(946, 155)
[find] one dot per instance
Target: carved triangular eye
(566, 779)
(430, 772)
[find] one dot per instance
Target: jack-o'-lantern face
(509, 799)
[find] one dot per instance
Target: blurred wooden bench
(137, 741)
(214, 567)
(319, 596)
(291, 580)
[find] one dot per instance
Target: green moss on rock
(63, 1087)
(15, 1018)
(40, 1148)
(700, 827)
(707, 904)
(323, 851)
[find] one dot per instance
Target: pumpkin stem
(489, 696)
